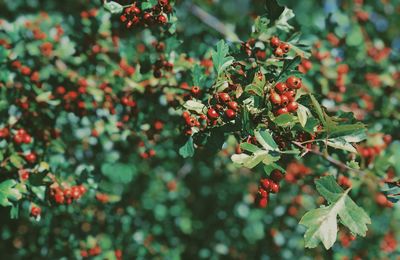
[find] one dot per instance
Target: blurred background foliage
(201, 208)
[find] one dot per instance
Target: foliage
(146, 129)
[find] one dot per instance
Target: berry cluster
(66, 195)
(94, 251)
(370, 152)
(296, 171)
(382, 201)
(134, 16)
(222, 108)
(21, 136)
(283, 95)
(280, 47)
(389, 243)
(268, 185)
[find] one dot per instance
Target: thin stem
(329, 158)
(213, 22)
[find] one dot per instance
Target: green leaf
(194, 105)
(16, 160)
(274, 10)
(8, 192)
(282, 22)
(118, 172)
(221, 59)
(289, 65)
(249, 147)
(303, 113)
(251, 161)
(340, 143)
(322, 222)
(318, 109)
(266, 140)
(285, 120)
(187, 150)
(113, 7)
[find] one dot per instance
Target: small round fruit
(285, 47)
(292, 106)
(276, 175)
(265, 183)
(282, 111)
(262, 202)
(293, 82)
(275, 98)
(281, 87)
(274, 187)
(212, 114)
(230, 113)
(195, 90)
(233, 105)
(262, 192)
(224, 97)
(290, 95)
(275, 41)
(162, 19)
(284, 100)
(278, 52)
(30, 157)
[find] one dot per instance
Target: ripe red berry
(185, 114)
(293, 82)
(212, 114)
(163, 2)
(35, 211)
(195, 90)
(230, 113)
(284, 100)
(30, 157)
(290, 95)
(282, 111)
(276, 175)
(278, 52)
(275, 41)
(274, 187)
(285, 47)
(292, 106)
(162, 19)
(224, 97)
(281, 87)
(262, 202)
(233, 105)
(262, 192)
(275, 98)
(265, 183)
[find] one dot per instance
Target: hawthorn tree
(102, 110)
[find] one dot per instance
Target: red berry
(31, 157)
(276, 175)
(274, 187)
(230, 113)
(262, 192)
(224, 97)
(275, 41)
(265, 183)
(35, 211)
(163, 2)
(292, 106)
(290, 95)
(185, 114)
(195, 90)
(284, 100)
(275, 98)
(278, 52)
(162, 19)
(212, 114)
(285, 47)
(233, 105)
(262, 202)
(281, 87)
(282, 111)
(293, 82)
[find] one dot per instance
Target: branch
(213, 22)
(329, 158)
